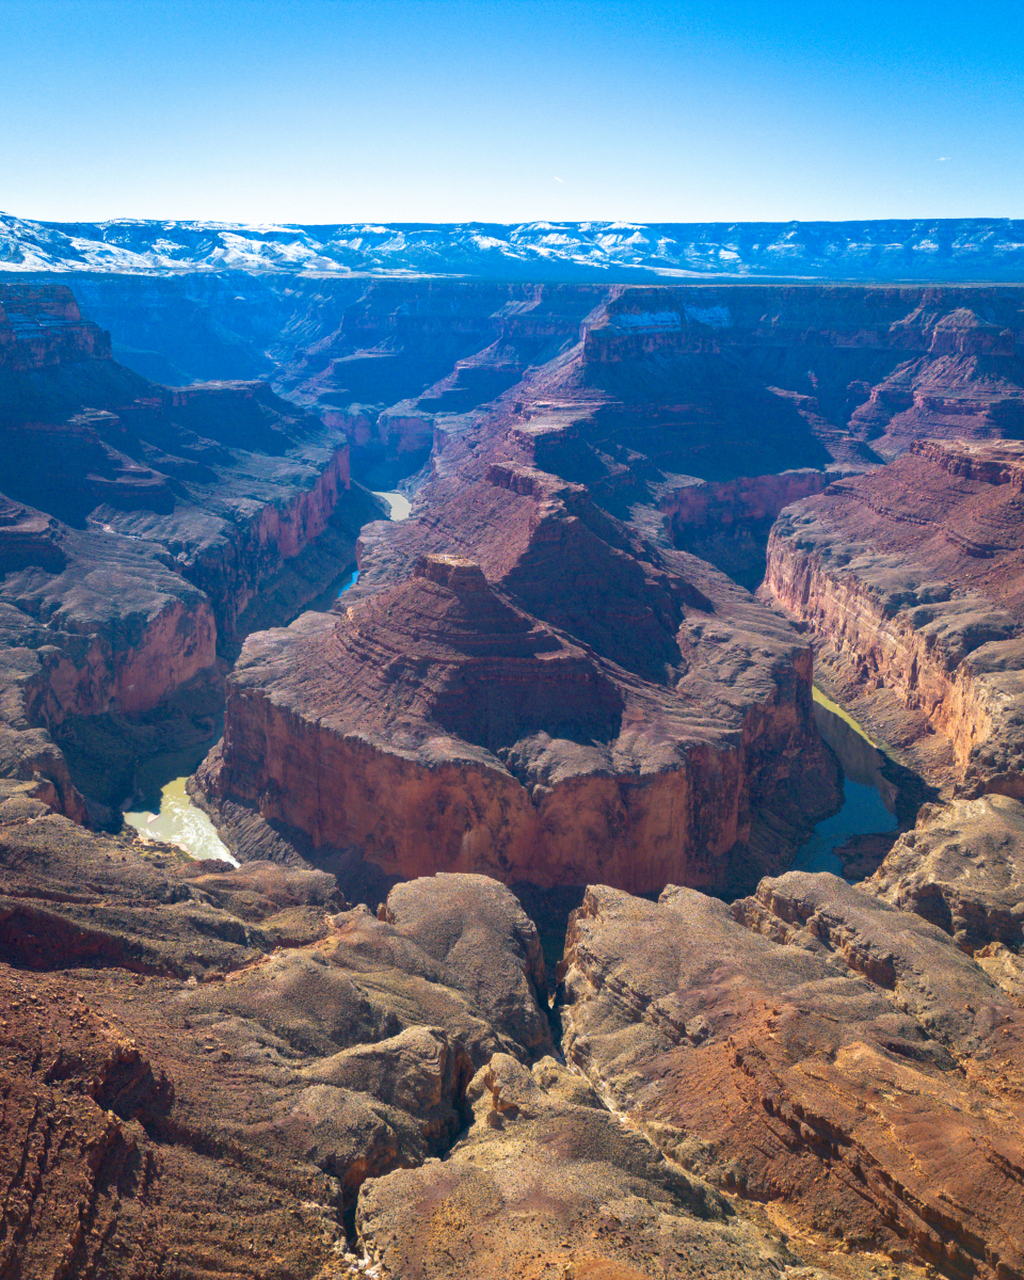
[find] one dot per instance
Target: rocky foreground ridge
(213, 1071)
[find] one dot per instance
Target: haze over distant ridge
(983, 249)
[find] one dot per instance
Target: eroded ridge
(817, 1051)
(647, 719)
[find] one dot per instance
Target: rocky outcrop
(911, 579)
(655, 724)
(546, 1178)
(186, 1042)
(962, 868)
(814, 1050)
(191, 1043)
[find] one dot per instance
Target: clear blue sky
(430, 110)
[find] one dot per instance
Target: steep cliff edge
(911, 578)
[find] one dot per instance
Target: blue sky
(430, 110)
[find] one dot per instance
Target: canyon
(514, 976)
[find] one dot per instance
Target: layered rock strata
(41, 325)
(897, 248)
(839, 362)
(202, 1068)
(639, 392)
(729, 523)
(656, 723)
(814, 1050)
(546, 1181)
(962, 868)
(911, 580)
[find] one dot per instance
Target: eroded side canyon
(142, 532)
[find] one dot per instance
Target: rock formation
(572, 698)
(911, 578)
(815, 1050)
(202, 1067)
(208, 1070)
(548, 1181)
(962, 868)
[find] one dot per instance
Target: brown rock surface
(911, 579)
(962, 868)
(201, 1065)
(667, 370)
(41, 325)
(549, 1183)
(817, 1051)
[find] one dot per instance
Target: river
(165, 811)
(869, 798)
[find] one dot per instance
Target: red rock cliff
(912, 579)
(436, 725)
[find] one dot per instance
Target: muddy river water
(869, 798)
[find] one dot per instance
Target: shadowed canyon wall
(137, 526)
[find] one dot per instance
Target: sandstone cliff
(41, 325)
(655, 724)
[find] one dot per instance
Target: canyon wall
(729, 523)
(911, 580)
(657, 724)
(42, 325)
(140, 529)
(737, 379)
